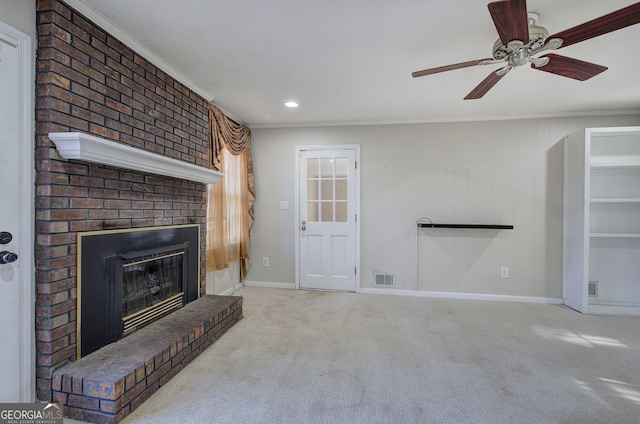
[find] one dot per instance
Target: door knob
(303, 228)
(7, 257)
(5, 237)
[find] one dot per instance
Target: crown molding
(75, 145)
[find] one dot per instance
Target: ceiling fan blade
(614, 21)
(570, 68)
(486, 85)
(510, 19)
(448, 68)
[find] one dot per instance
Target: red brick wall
(88, 81)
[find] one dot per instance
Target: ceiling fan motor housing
(537, 37)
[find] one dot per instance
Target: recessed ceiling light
(291, 104)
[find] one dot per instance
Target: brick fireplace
(131, 278)
(87, 81)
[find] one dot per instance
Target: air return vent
(593, 288)
(381, 279)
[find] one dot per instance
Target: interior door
(327, 213)
(16, 204)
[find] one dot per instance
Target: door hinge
(356, 217)
(355, 270)
(356, 162)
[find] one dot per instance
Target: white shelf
(607, 165)
(617, 161)
(615, 200)
(614, 235)
(75, 145)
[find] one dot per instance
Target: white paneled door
(327, 225)
(16, 203)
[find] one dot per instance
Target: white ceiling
(350, 61)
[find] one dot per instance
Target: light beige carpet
(314, 357)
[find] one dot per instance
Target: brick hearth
(107, 385)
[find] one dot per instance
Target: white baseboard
(468, 296)
(230, 290)
(613, 309)
(270, 284)
(432, 294)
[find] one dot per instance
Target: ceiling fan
(521, 40)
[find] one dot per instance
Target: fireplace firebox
(150, 285)
(129, 279)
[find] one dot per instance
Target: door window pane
(341, 212)
(327, 212)
(312, 212)
(341, 189)
(326, 168)
(312, 190)
(327, 189)
(312, 168)
(341, 167)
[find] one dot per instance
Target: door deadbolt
(5, 237)
(7, 257)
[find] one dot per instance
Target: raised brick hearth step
(107, 385)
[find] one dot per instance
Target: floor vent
(593, 288)
(384, 280)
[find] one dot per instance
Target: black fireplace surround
(102, 258)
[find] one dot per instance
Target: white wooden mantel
(75, 145)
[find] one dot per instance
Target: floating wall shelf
(479, 226)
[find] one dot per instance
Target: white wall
(505, 172)
(224, 281)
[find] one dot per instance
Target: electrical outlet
(284, 205)
(504, 272)
(265, 261)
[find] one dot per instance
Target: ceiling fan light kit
(521, 39)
